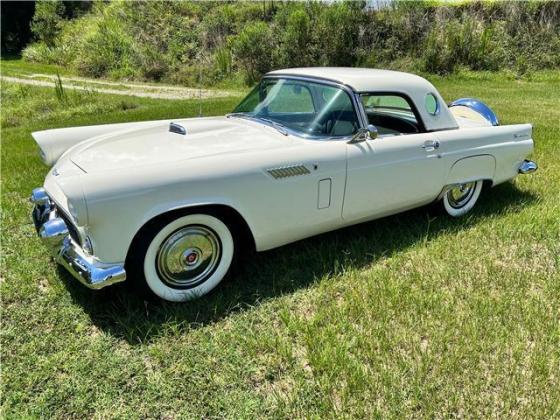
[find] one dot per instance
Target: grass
(16, 66)
(413, 315)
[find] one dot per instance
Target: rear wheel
(461, 198)
(185, 258)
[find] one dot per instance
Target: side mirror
(370, 132)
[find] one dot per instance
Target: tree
(47, 21)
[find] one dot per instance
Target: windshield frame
(354, 99)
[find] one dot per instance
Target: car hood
(156, 145)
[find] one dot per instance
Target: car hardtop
(364, 80)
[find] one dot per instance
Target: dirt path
(128, 89)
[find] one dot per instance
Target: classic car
(169, 205)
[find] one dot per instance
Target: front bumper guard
(54, 233)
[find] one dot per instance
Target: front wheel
(187, 257)
(460, 199)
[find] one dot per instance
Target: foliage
(47, 20)
(254, 48)
(175, 41)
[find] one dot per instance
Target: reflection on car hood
(156, 145)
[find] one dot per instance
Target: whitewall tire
(460, 199)
(188, 257)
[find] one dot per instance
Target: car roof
(377, 80)
(359, 79)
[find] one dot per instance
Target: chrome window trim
(438, 106)
(362, 121)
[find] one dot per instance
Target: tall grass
(59, 89)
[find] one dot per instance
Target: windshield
(308, 108)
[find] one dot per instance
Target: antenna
(200, 87)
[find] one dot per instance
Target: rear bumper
(54, 233)
(527, 167)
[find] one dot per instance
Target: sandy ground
(128, 89)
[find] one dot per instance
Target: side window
(337, 117)
(390, 113)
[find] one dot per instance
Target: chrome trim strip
(54, 233)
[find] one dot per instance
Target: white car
(170, 204)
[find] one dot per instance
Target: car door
(396, 171)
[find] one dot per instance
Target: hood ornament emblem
(177, 128)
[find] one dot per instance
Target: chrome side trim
(527, 167)
(288, 171)
(54, 233)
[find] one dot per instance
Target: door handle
(430, 144)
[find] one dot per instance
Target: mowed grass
(415, 315)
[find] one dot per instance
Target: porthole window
(432, 104)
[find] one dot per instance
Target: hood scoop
(177, 128)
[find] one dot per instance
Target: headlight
(88, 246)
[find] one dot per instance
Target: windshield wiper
(279, 127)
(239, 115)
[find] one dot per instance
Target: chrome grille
(69, 224)
(288, 171)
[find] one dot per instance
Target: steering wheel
(327, 124)
(335, 116)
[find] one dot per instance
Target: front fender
(53, 143)
(115, 223)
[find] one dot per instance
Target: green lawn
(414, 315)
(15, 66)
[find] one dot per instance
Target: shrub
(297, 39)
(254, 48)
(39, 52)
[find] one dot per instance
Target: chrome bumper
(527, 167)
(54, 233)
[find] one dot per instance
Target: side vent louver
(288, 171)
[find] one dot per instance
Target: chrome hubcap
(461, 194)
(188, 257)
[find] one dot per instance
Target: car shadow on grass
(125, 315)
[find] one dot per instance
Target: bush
(254, 48)
(176, 41)
(297, 39)
(107, 47)
(40, 53)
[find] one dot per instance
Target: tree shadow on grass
(284, 270)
